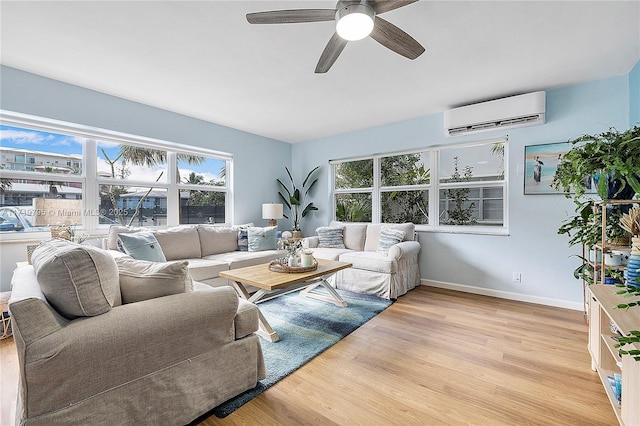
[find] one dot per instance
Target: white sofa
(384, 275)
(209, 249)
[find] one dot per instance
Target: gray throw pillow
(142, 280)
(389, 237)
(330, 237)
(77, 280)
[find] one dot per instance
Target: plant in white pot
(295, 199)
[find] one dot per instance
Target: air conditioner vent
(514, 111)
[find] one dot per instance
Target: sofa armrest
(404, 249)
(95, 354)
(29, 308)
(311, 242)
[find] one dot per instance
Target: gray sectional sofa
(86, 357)
(384, 274)
(209, 249)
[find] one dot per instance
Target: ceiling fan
(355, 20)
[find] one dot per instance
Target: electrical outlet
(517, 277)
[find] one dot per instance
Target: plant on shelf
(295, 198)
(630, 222)
(610, 158)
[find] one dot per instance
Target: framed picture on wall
(540, 164)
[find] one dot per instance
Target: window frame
(433, 187)
(91, 181)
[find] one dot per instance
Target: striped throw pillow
(389, 237)
(330, 237)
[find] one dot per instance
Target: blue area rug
(306, 327)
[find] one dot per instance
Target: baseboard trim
(576, 306)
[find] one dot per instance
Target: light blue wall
(487, 262)
(257, 160)
(255, 156)
(634, 96)
(533, 247)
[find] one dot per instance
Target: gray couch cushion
(240, 259)
(353, 234)
(179, 242)
(206, 269)
(217, 239)
(328, 253)
(142, 280)
(370, 261)
(77, 280)
(246, 319)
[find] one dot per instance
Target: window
(404, 188)
(353, 182)
(202, 194)
(467, 190)
(94, 178)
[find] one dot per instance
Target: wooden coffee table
(273, 284)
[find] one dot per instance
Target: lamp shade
(272, 211)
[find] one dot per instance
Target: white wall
(533, 247)
(257, 160)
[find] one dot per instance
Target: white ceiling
(204, 60)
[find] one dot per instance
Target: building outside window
(92, 182)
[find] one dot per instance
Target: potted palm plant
(295, 199)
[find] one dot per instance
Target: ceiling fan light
(354, 22)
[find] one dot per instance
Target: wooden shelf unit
(605, 358)
(599, 250)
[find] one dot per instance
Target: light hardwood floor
(434, 357)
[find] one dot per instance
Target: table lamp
(272, 211)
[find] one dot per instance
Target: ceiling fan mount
(354, 20)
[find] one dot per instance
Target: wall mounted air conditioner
(505, 113)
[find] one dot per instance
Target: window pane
(38, 151)
(122, 161)
(134, 206)
(202, 206)
(471, 206)
(405, 206)
(354, 174)
(32, 204)
(353, 207)
(472, 163)
(406, 169)
(200, 170)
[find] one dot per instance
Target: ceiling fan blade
(392, 37)
(291, 16)
(330, 53)
(381, 6)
